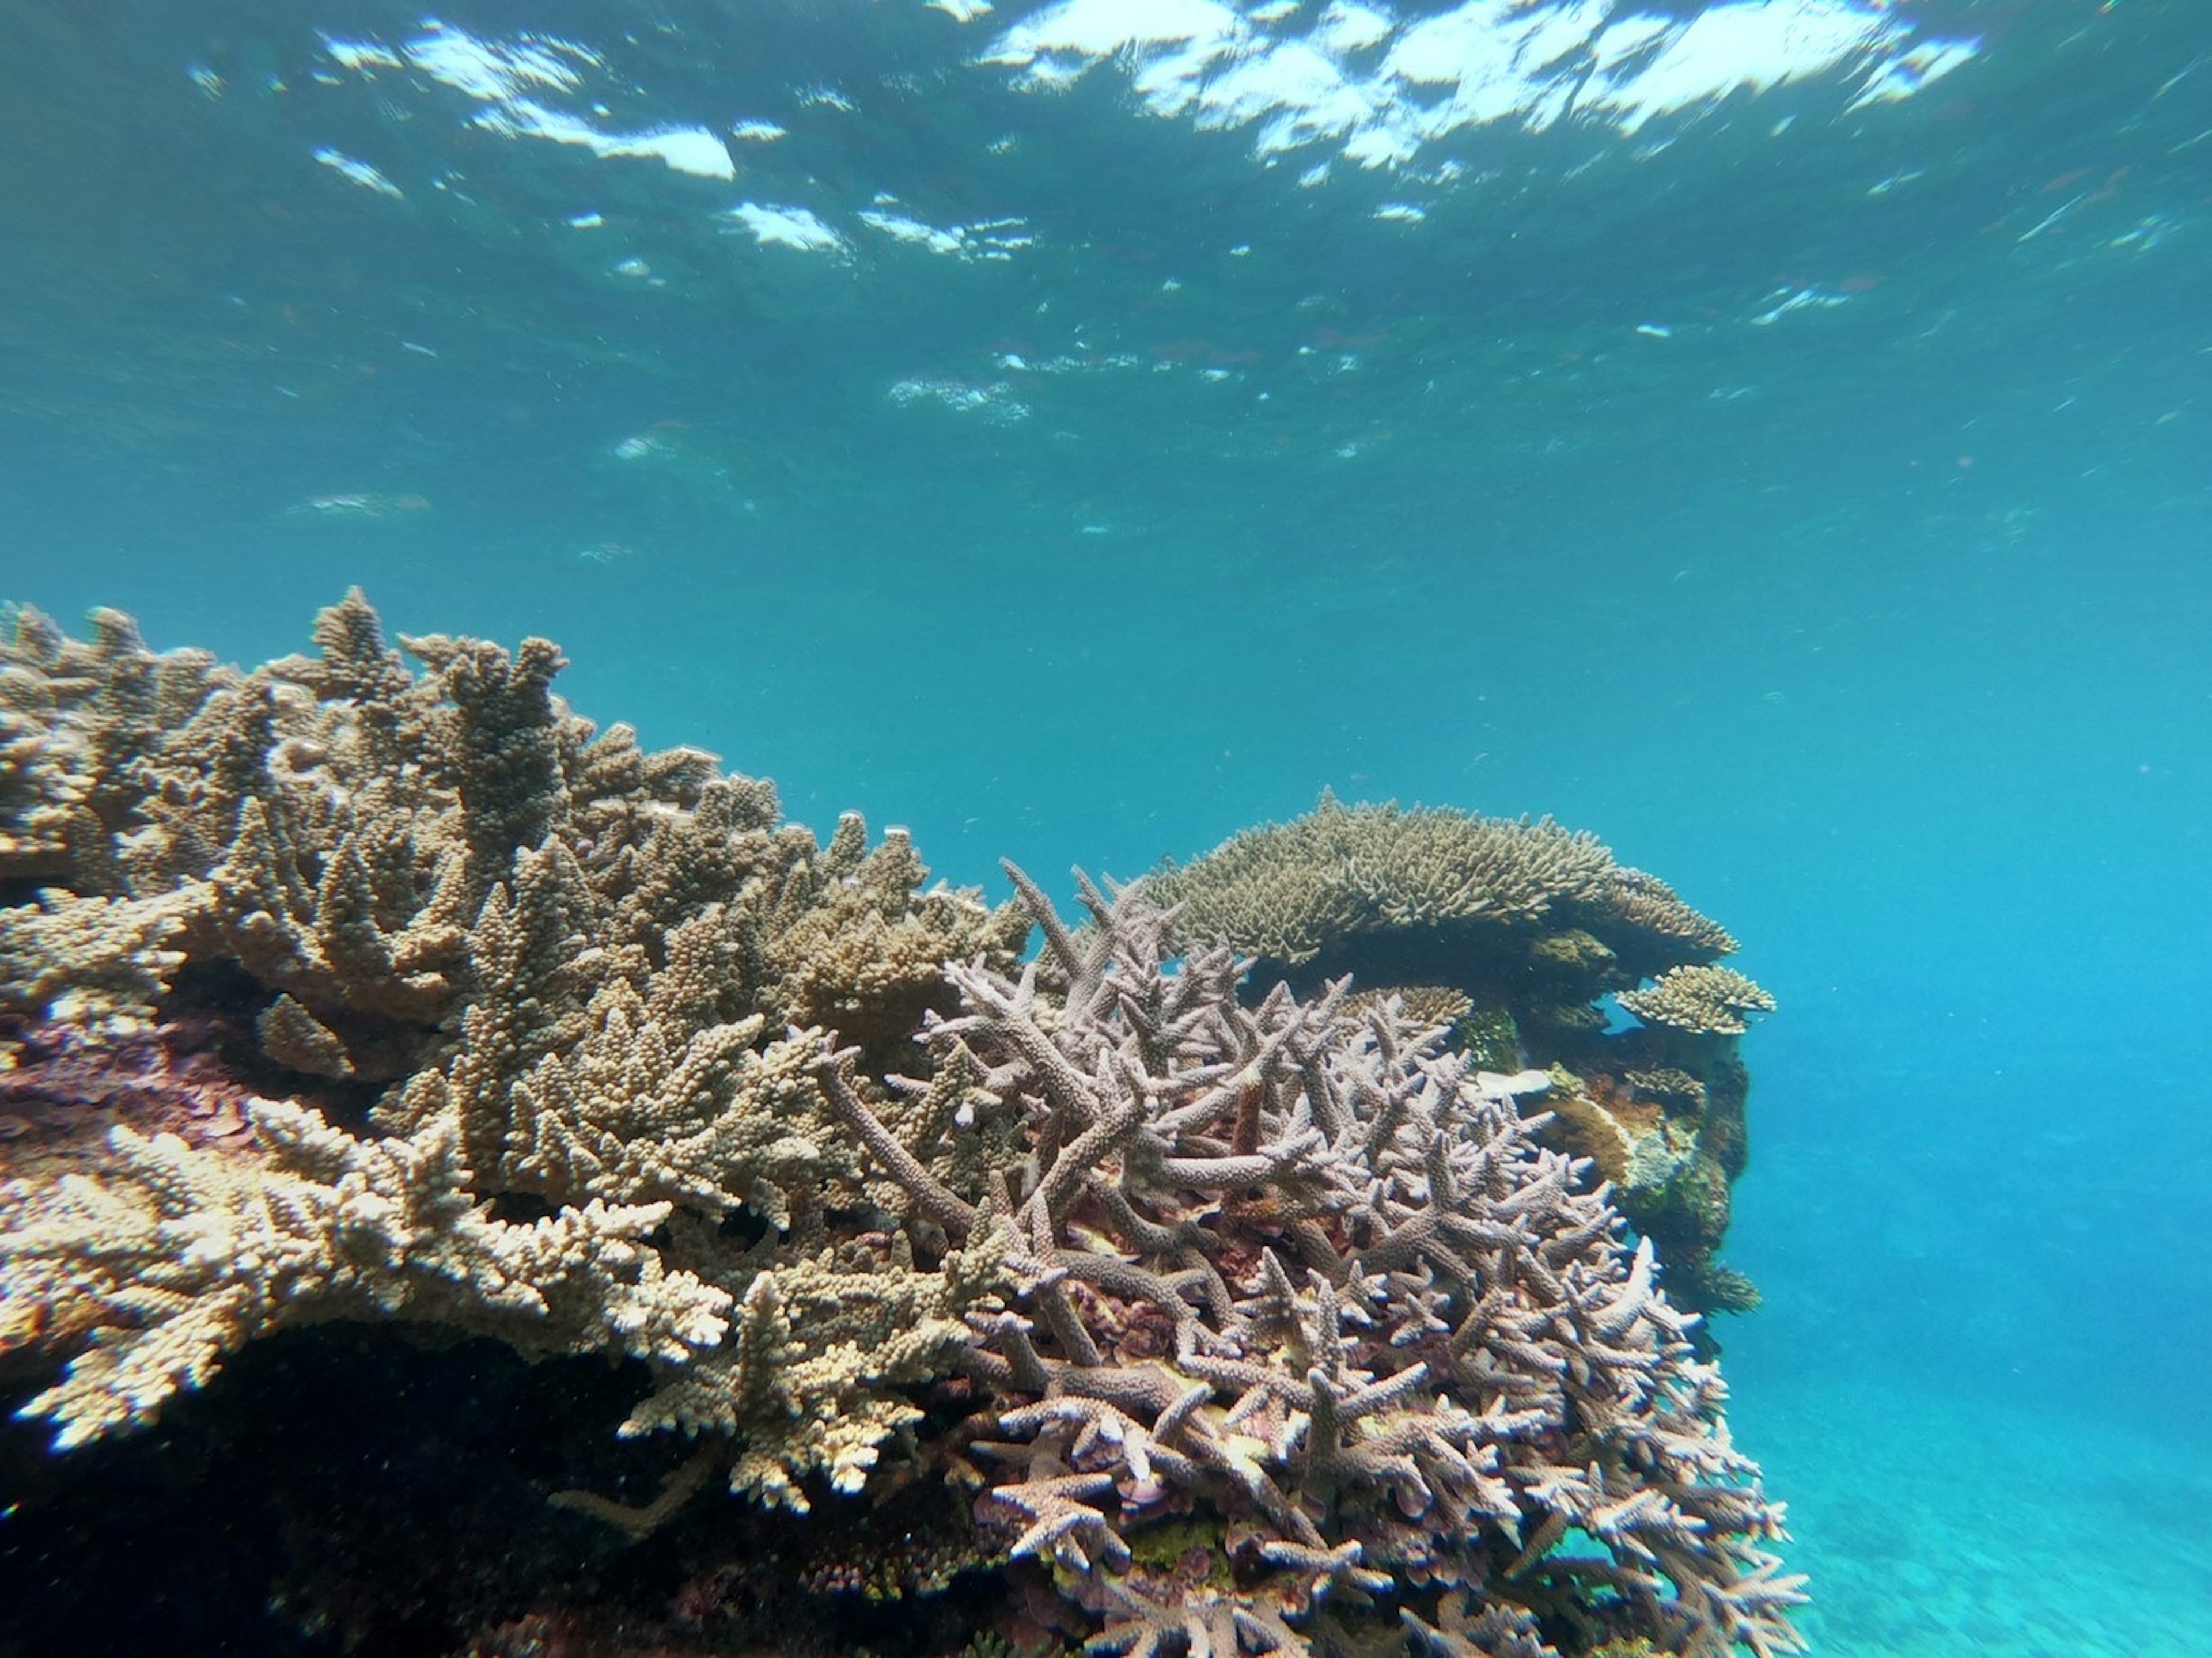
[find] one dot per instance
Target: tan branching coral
(812, 1383)
(101, 964)
(1315, 887)
(1634, 903)
(36, 803)
(593, 978)
(1703, 1000)
(1289, 890)
(192, 1253)
(856, 949)
(333, 825)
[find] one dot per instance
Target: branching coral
(1535, 925)
(592, 977)
(193, 1253)
(1252, 1326)
(1293, 893)
(1299, 1272)
(1703, 1000)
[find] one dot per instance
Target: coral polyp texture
(1084, 1302)
(1309, 1277)
(1530, 926)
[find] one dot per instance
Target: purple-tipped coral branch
(1466, 1363)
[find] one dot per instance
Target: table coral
(1705, 999)
(1535, 925)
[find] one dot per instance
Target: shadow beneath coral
(357, 1489)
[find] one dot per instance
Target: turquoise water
(1773, 437)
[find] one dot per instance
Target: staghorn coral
(1533, 925)
(1301, 1272)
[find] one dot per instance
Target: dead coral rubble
(1533, 925)
(1248, 1328)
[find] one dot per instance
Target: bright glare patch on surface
(683, 149)
(686, 150)
(1380, 88)
(2147, 233)
(1784, 300)
(360, 172)
(986, 238)
(788, 227)
(499, 71)
(900, 229)
(995, 403)
(1749, 46)
(513, 76)
(1097, 29)
(1316, 85)
(1909, 74)
(361, 55)
(1297, 93)
(1353, 28)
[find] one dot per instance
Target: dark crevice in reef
(356, 1489)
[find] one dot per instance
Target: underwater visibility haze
(1770, 435)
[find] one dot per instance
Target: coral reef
(1309, 1280)
(594, 979)
(1532, 926)
(1077, 1301)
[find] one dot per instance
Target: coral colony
(1245, 1271)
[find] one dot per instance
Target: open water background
(1776, 438)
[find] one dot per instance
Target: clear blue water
(1775, 438)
